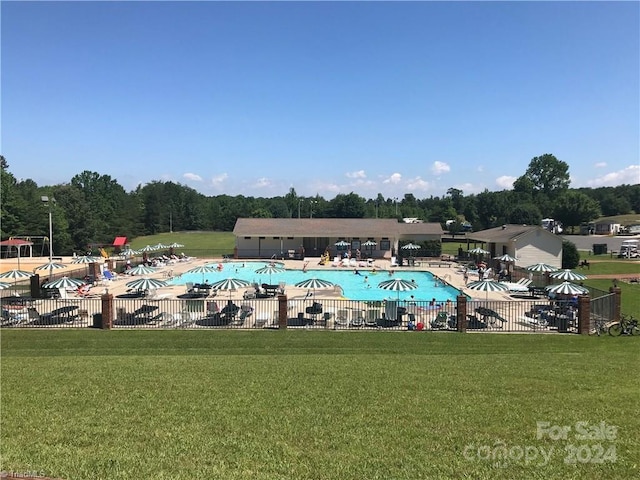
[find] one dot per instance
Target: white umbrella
(230, 284)
(147, 249)
(398, 285)
(369, 243)
(411, 246)
(566, 288)
(487, 286)
(567, 275)
(85, 259)
(141, 270)
(146, 283)
(4, 285)
(270, 269)
(128, 252)
(16, 274)
(51, 266)
(541, 267)
(479, 251)
(342, 243)
(64, 282)
(203, 269)
(315, 283)
(505, 258)
(176, 245)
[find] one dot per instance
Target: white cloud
(600, 164)
(262, 183)
(505, 181)
(358, 174)
(440, 167)
(192, 176)
(219, 179)
(395, 178)
(480, 168)
(629, 175)
(416, 184)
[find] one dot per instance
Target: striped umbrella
(567, 288)
(176, 245)
(160, 246)
(64, 282)
(315, 283)
(398, 285)
(487, 286)
(342, 243)
(541, 267)
(147, 249)
(50, 266)
(16, 274)
(230, 284)
(128, 252)
(85, 259)
(478, 251)
(146, 284)
(567, 275)
(505, 258)
(141, 270)
(4, 285)
(203, 269)
(270, 269)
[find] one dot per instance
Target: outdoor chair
(357, 318)
(342, 318)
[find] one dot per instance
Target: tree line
(93, 208)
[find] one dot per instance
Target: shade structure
(230, 284)
(487, 286)
(567, 275)
(51, 266)
(203, 269)
(505, 258)
(160, 246)
(146, 283)
(141, 270)
(85, 259)
(269, 270)
(541, 267)
(64, 282)
(567, 288)
(128, 252)
(397, 285)
(147, 249)
(16, 274)
(479, 251)
(4, 285)
(176, 245)
(370, 243)
(411, 246)
(315, 283)
(342, 243)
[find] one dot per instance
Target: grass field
(316, 405)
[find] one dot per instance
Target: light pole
(45, 199)
(395, 202)
(299, 203)
(311, 207)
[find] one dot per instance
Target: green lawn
(194, 242)
(314, 405)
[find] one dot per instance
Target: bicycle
(627, 326)
(599, 326)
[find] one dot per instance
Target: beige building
(311, 237)
(529, 244)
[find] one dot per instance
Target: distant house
(529, 244)
(607, 228)
(300, 237)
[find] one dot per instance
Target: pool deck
(451, 274)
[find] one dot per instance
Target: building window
(247, 238)
(385, 245)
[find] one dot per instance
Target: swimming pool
(354, 287)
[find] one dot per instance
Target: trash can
(97, 320)
(563, 325)
(599, 248)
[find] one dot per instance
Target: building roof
(120, 241)
(330, 227)
(505, 233)
(15, 242)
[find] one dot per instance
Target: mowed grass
(194, 242)
(314, 405)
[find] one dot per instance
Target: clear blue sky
(254, 98)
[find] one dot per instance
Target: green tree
(573, 208)
(570, 255)
(525, 214)
(547, 174)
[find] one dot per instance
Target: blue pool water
(354, 286)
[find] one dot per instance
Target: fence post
(107, 311)
(282, 311)
(461, 313)
(617, 299)
(584, 314)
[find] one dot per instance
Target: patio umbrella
(369, 244)
(65, 283)
(203, 269)
(85, 259)
(398, 285)
(566, 288)
(487, 286)
(230, 284)
(541, 267)
(50, 266)
(4, 285)
(128, 252)
(270, 269)
(141, 270)
(176, 245)
(315, 283)
(567, 275)
(146, 283)
(160, 246)
(342, 243)
(148, 248)
(505, 258)
(412, 247)
(16, 274)
(479, 251)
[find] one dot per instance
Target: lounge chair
(342, 318)
(372, 317)
(490, 317)
(357, 318)
(394, 262)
